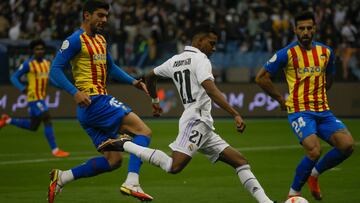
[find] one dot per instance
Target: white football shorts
(195, 136)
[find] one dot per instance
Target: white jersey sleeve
(164, 69)
(204, 71)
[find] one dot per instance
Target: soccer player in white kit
(191, 72)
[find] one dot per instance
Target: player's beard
(305, 41)
(97, 29)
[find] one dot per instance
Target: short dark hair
(305, 15)
(92, 5)
(203, 29)
(36, 42)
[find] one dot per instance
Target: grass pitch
(269, 145)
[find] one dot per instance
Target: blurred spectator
(244, 25)
(4, 26)
(350, 43)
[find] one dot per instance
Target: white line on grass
(243, 149)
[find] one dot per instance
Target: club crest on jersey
(323, 56)
(191, 147)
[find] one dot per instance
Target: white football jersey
(188, 70)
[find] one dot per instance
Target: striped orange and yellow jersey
(37, 71)
(305, 72)
(90, 62)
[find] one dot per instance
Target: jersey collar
(313, 44)
(192, 49)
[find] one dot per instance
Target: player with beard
(101, 115)
(309, 69)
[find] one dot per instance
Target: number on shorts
(298, 124)
(194, 137)
(114, 102)
(40, 106)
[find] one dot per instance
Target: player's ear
(294, 27)
(86, 15)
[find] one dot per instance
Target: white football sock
(132, 178)
(65, 177)
(314, 172)
(153, 156)
(293, 192)
(250, 182)
(54, 150)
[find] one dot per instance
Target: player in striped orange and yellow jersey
(309, 69)
(36, 69)
(101, 115)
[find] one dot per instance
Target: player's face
(98, 20)
(305, 30)
(208, 44)
(39, 51)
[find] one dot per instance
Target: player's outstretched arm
(150, 80)
(24, 68)
(120, 75)
(215, 94)
(263, 79)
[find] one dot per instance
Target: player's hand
(25, 90)
(282, 103)
(82, 99)
(157, 110)
(141, 86)
(240, 124)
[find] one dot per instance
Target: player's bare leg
(141, 135)
(247, 178)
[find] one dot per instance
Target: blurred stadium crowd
(144, 33)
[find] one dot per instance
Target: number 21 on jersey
(183, 79)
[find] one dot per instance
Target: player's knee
(114, 161)
(34, 127)
(47, 120)
(348, 148)
(147, 131)
(314, 153)
(176, 169)
(115, 164)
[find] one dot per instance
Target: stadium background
(143, 34)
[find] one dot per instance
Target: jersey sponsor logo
(65, 45)
(311, 70)
(100, 57)
(182, 62)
